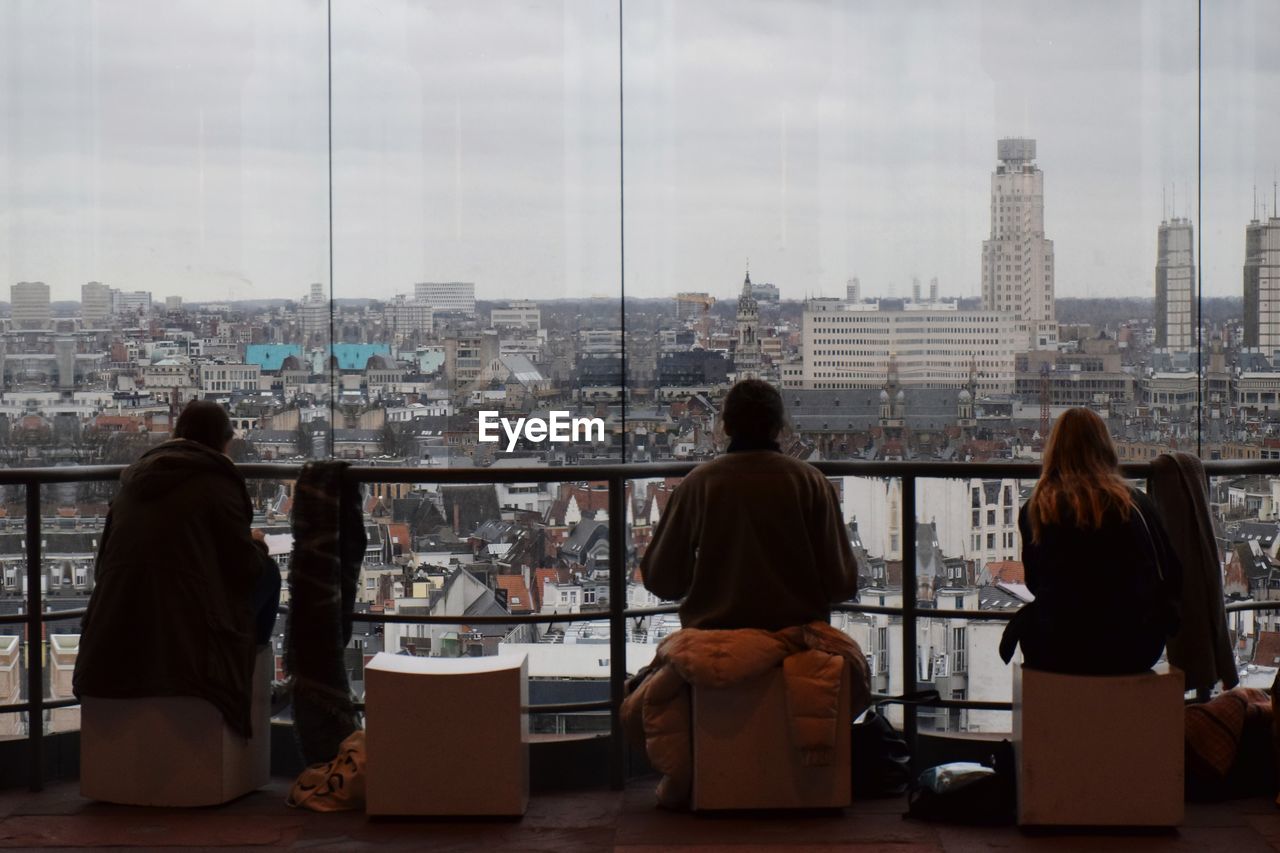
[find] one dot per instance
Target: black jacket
(1102, 606)
(1202, 646)
(170, 613)
(328, 548)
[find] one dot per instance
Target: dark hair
(753, 411)
(206, 422)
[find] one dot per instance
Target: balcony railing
(616, 476)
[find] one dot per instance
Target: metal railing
(615, 477)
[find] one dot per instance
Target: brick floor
(59, 818)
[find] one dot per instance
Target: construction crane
(703, 302)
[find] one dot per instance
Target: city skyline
(821, 143)
(383, 254)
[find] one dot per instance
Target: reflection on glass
(1240, 239)
(165, 175)
(934, 228)
(476, 287)
(476, 251)
(952, 223)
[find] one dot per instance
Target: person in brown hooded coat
(183, 591)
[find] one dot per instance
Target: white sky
(180, 146)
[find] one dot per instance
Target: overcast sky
(182, 148)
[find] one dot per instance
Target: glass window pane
(477, 283)
(948, 199)
(1241, 231)
(164, 169)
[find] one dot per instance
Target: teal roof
(352, 356)
(270, 357)
(430, 361)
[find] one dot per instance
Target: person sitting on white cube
(185, 594)
(752, 543)
(1098, 736)
(1106, 583)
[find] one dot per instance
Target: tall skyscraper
(1017, 260)
(29, 302)
(1262, 285)
(313, 315)
(853, 290)
(1176, 317)
(95, 305)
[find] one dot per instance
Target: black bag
(881, 760)
(980, 798)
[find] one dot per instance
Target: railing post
(617, 628)
(35, 642)
(909, 665)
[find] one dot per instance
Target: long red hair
(1081, 472)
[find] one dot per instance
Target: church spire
(746, 356)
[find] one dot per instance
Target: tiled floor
(564, 823)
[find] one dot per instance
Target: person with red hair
(1097, 559)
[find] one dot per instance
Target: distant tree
(124, 448)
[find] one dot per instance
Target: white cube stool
(1099, 750)
(743, 756)
(174, 750)
(447, 736)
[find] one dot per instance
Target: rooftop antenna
(1164, 208)
(1174, 206)
(1274, 192)
(1255, 202)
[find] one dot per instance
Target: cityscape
(411, 380)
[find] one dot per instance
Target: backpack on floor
(881, 760)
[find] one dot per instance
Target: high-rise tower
(29, 301)
(95, 305)
(1176, 317)
(1262, 284)
(1017, 260)
(313, 315)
